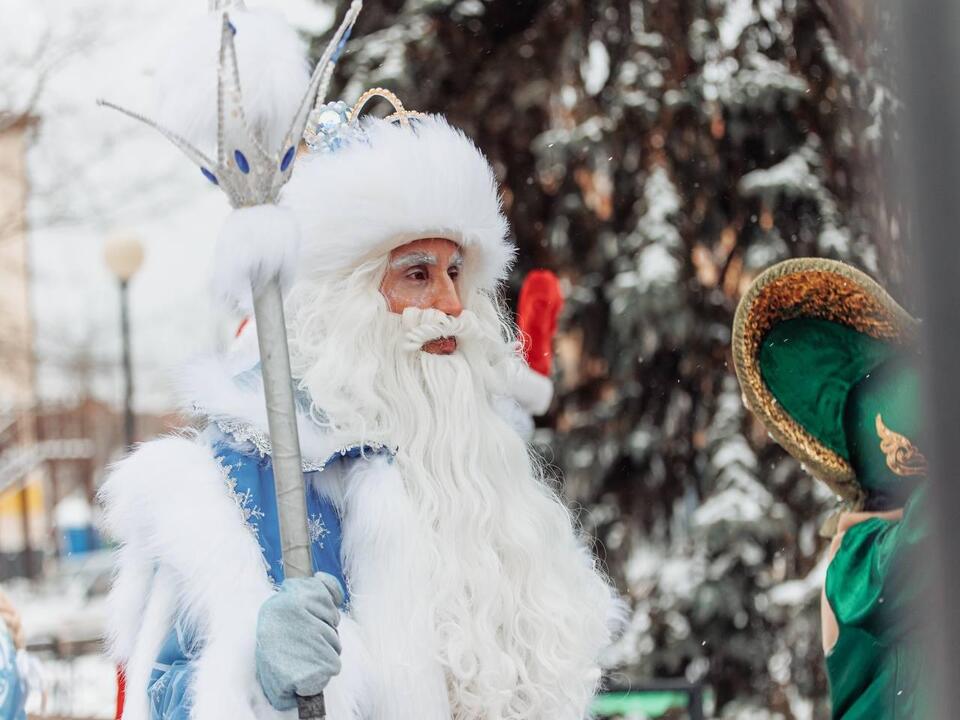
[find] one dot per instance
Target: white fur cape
(184, 547)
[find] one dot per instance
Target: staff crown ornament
(249, 172)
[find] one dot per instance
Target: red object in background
(243, 325)
(540, 303)
(121, 684)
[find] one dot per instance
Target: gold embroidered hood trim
(823, 289)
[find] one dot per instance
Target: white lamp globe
(124, 255)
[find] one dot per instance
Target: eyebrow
(423, 258)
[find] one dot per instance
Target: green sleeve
(879, 572)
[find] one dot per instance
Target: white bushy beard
(519, 611)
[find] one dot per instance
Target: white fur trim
(155, 623)
(168, 506)
(209, 387)
(528, 394)
(348, 697)
(401, 184)
(513, 415)
(244, 351)
(133, 583)
(255, 245)
(273, 74)
(532, 390)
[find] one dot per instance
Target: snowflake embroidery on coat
(249, 511)
(246, 506)
(160, 685)
(318, 530)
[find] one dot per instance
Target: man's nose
(447, 299)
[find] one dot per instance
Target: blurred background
(655, 154)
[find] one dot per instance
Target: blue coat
(13, 694)
(250, 483)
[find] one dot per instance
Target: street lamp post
(124, 254)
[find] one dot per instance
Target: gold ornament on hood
(903, 457)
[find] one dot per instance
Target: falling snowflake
(318, 530)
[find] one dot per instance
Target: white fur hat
(397, 184)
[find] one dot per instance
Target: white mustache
(420, 326)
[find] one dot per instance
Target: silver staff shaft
(287, 467)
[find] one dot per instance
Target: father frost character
(451, 580)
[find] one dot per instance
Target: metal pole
(25, 525)
(128, 419)
(695, 708)
(285, 442)
(285, 455)
(930, 75)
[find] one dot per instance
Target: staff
(256, 256)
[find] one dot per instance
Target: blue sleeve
(13, 694)
(170, 678)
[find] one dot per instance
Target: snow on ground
(67, 610)
(82, 687)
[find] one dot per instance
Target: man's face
(425, 274)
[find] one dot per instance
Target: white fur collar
(232, 399)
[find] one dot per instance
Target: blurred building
(51, 454)
(21, 497)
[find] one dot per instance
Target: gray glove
(298, 650)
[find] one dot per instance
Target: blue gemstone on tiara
(329, 119)
(241, 161)
(329, 128)
(209, 176)
(287, 159)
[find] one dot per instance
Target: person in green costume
(827, 360)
